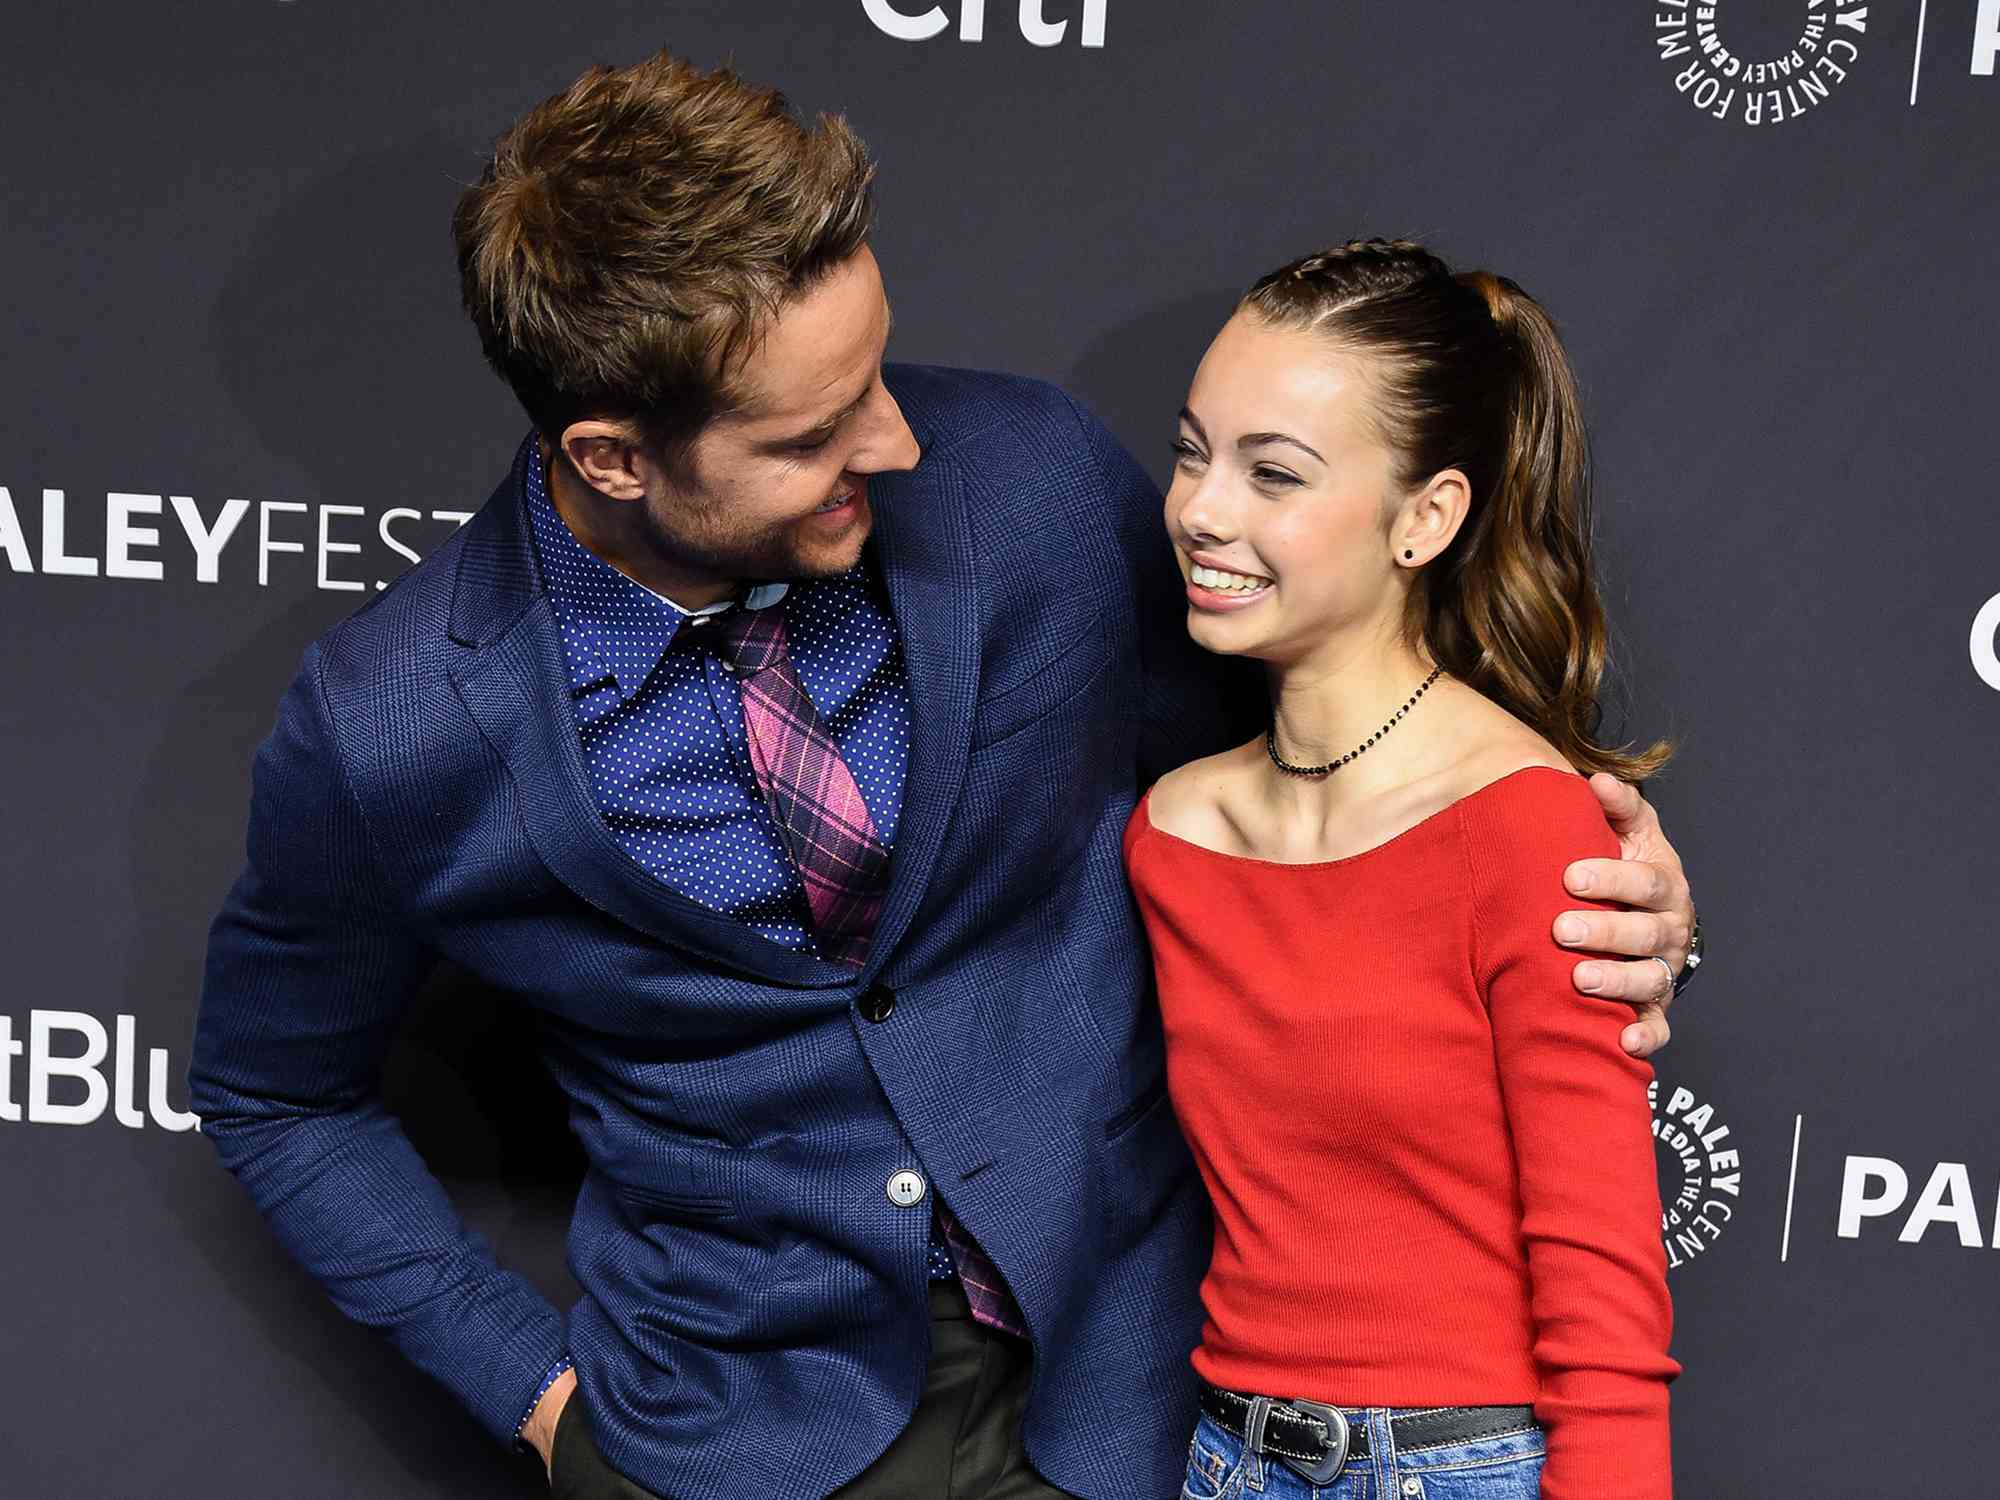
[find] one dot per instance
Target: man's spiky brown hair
(633, 235)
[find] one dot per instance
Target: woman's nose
(1204, 514)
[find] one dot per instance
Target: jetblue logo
(906, 23)
(66, 1051)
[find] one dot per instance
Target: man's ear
(609, 457)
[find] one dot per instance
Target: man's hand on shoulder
(540, 1431)
(1659, 923)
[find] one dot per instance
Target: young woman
(1437, 1268)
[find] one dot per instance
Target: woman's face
(1283, 497)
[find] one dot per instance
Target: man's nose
(890, 445)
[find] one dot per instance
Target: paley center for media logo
(1877, 1187)
(1727, 84)
(1876, 1201)
(1701, 1178)
(1726, 80)
(66, 1052)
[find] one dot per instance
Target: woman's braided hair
(1468, 373)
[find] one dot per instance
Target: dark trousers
(964, 1443)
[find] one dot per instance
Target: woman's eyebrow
(1266, 439)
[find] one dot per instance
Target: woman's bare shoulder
(1194, 801)
(1491, 745)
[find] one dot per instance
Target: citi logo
(66, 1052)
(1986, 631)
(921, 26)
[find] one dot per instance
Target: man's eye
(813, 444)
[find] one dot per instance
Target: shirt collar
(614, 628)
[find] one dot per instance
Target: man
(771, 730)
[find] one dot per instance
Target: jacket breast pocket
(1045, 688)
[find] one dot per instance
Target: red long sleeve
(1583, 1152)
(1431, 1162)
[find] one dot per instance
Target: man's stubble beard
(778, 555)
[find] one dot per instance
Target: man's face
(779, 488)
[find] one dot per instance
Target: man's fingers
(1655, 929)
(1630, 882)
(1642, 983)
(1648, 1034)
(1635, 934)
(1624, 808)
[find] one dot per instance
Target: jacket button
(906, 1189)
(878, 1004)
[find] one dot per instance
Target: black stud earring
(1407, 554)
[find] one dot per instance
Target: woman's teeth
(1228, 583)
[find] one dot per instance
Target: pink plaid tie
(824, 824)
(831, 837)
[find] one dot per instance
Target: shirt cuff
(556, 1372)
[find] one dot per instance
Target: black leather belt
(1317, 1440)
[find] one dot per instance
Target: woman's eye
(1275, 477)
(1186, 452)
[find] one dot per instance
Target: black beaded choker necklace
(1271, 737)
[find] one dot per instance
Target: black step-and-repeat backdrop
(237, 397)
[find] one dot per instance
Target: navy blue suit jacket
(754, 1318)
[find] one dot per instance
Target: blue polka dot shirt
(662, 728)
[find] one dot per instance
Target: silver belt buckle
(1335, 1458)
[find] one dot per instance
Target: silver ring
(1670, 974)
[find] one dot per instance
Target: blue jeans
(1498, 1468)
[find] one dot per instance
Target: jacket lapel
(923, 537)
(513, 684)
